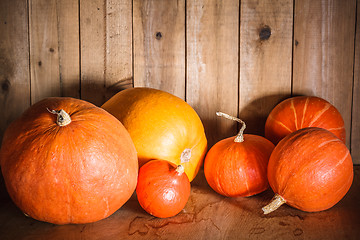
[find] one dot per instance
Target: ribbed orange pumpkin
(310, 169)
(237, 166)
(67, 161)
(301, 112)
(163, 188)
(162, 126)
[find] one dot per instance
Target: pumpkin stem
(240, 136)
(275, 203)
(185, 155)
(63, 118)
(180, 169)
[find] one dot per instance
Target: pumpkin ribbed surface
(311, 169)
(78, 173)
(162, 126)
(300, 112)
(238, 169)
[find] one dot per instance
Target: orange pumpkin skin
(78, 173)
(300, 112)
(161, 190)
(311, 169)
(238, 169)
(161, 125)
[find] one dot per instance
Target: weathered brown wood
(44, 49)
(324, 52)
(212, 33)
(69, 53)
(159, 45)
(207, 215)
(265, 59)
(355, 126)
(92, 48)
(14, 61)
(106, 48)
(119, 55)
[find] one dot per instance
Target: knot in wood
(158, 35)
(5, 85)
(265, 33)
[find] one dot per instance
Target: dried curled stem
(180, 169)
(275, 203)
(185, 155)
(240, 136)
(63, 118)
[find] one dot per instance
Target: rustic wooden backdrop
(240, 57)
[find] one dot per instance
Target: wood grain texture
(265, 59)
(355, 126)
(324, 52)
(14, 61)
(159, 45)
(212, 32)
(92, 48)
(119, 55)
(69, 53)
(207, 215)
(44, 49)
(106, 48)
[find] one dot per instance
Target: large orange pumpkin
(237, 166)
(162, 126)
(300, 112)
(310, 169)
(67, 161)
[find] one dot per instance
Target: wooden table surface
(207, 215)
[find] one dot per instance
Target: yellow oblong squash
(162, 126)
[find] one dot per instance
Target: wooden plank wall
(239, 57)
(324, 53)
(265, 59)
(355, 124)
(14, 61)
(212, 31)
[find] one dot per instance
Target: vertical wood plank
(106, 48)
(324, 52)
(14, 61)
(159, 45)
(44, 54)
(355, 126)
(119, 55)
(92, 41)
(68, 30)
(212, 32)
(265, 59)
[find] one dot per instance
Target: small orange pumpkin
(300, 112)
(237, 166)
(310, 169)
(162, 126)
(162, 189)
(67, 161)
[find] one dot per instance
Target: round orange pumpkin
(310, 169)
(237, 166)
(300, 112)
(163, 188)
(162, 126)
(67, 161)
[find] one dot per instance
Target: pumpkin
(163, 188)
(310, 169)
(300, 112)
(162, 126)
(67, 161)
(237, 166)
